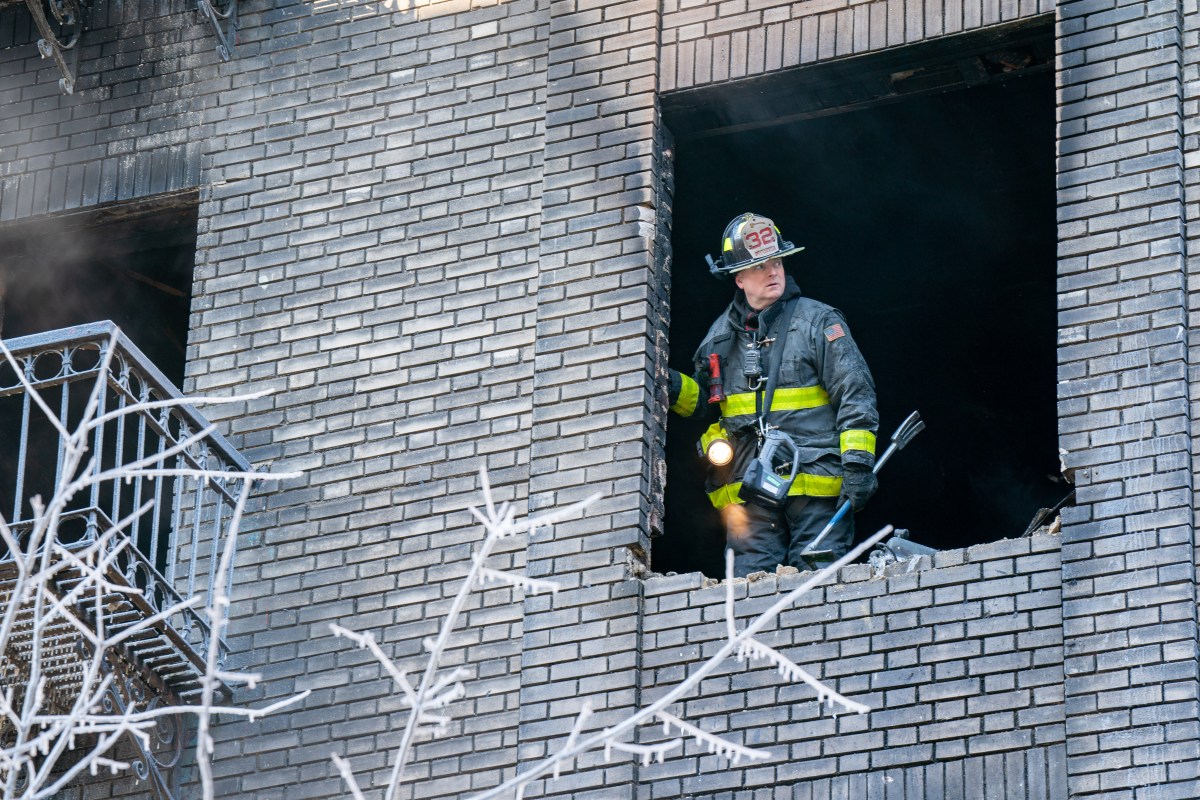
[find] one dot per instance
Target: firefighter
(823, 399)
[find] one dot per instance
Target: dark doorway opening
(921, 183)
(130, 263)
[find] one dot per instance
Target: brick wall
(368, 249)
(712, 42)
(1129, 592)
(961, 664)
(1186, 729)
(126, 132)
(595, 412)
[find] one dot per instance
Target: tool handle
(879, 462)
(903, 435)
(716, 386)
(841, 512)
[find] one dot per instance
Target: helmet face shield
(749, 240)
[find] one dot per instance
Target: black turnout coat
(824, 397)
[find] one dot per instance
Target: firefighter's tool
(762, 482)
(903, 435)
(898, 548)
(716, 387)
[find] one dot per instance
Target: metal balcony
(171, 551)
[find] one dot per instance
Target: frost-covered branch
(749, 647)
(531, 585)
(499, 522)
(646, 751)
(654, 711)
(755, 649)
(433, 692)
(715, 744)
(214, 677)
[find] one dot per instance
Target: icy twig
(217, 620)
(499, 523)
(715, 744)
(348, 776)
(584, 713)
(113, 767)
(693, 679)
(366, 640)
(753, 649)
(432, 692)
(173, 402)
(531, 585)
(646, 751)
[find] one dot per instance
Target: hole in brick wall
(929, 220)
(131, 263)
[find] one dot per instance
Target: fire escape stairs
(159, 655)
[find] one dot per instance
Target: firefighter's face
(762, 284)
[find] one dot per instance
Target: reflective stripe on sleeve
(858, 440)
(735, 405)
(689, 393)
(807, 485)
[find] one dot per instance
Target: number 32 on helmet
(749, 240)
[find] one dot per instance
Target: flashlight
(715, 445)
(720, 452)
(716, 387)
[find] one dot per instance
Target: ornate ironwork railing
(60, 23)
(60, 31)
(177, 543)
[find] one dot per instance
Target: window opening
(130, 263)
(929, 220)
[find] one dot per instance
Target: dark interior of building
(129, 263)
(928, 218)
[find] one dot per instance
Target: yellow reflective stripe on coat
(858, 440)
(736, 405)
(689, 393)
(806, 485)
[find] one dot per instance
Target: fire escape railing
(176, 545)
(61, 23)
(148, 561)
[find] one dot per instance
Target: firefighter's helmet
(749, 240)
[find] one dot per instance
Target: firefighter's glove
(858, 484)
(674, 386)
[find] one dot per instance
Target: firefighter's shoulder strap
(775, 361)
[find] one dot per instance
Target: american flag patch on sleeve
(834, 332)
